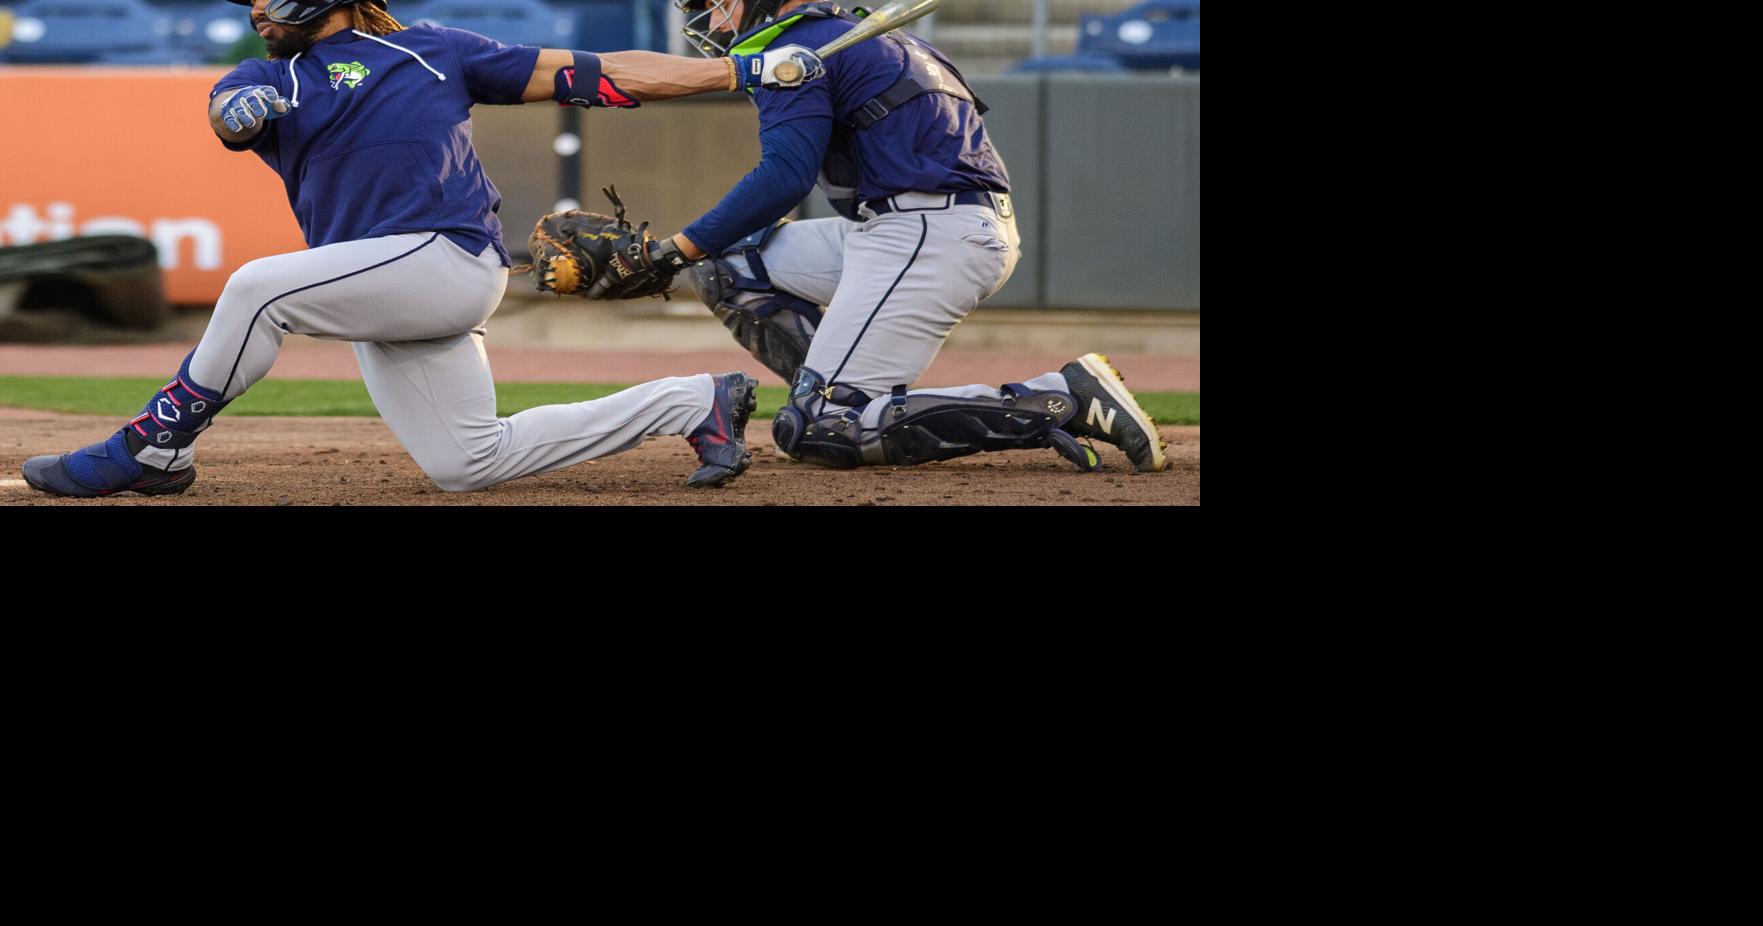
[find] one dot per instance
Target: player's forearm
(217, 121)
(641, 75)
(649, 75)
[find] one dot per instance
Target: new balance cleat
(1107, 412)
(721, 441)
(104, 469)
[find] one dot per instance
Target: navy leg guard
(772, 325)
(827, 439)
(924, 428)
(921, 428)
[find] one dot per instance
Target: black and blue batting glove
(253, 104)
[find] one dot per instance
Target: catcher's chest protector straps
(926, 72)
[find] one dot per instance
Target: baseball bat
(886, 18)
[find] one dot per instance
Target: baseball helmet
(295, 12)
(716, 44)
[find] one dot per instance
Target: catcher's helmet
(295, 12)
(716, 44)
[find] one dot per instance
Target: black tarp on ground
(109, 279)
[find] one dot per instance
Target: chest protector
(927, 71)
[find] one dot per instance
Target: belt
(933, 202)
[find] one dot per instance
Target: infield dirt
(356, 461)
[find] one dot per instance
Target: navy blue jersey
(933, 144)
(380, 140)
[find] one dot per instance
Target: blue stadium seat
(512, 22)
(1089, 64)
(91, 31)
(1156, 34)
(205, 29)
(606, 25)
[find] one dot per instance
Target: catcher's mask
(295, 12)
(699, 14)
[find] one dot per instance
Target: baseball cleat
(1107, 412)
(103, 469)
(721, 440)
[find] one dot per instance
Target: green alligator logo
(352, 74)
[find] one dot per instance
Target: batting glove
(761, 70)
(254, 104)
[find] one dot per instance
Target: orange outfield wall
(90, 150)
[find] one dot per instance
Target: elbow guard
(582, 84)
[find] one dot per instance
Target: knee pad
(831, 439)
(925, 428)
(772, 325)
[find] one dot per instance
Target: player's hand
(645, 267)
(253, 105)
(761, 70)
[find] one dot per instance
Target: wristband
(582, 84)
(668, 254)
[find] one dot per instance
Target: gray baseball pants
(415, 306)
(894, 287)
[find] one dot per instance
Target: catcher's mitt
(600, 256)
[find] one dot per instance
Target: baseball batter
(895, 138)
(367, 124)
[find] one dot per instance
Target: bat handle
(787, 72)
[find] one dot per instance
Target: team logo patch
(352, 74)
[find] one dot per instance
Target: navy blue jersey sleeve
(813, 100)
(249, 73)
(494, 72)
(791, 153)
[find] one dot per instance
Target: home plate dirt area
(356, 461)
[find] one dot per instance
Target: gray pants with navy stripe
(415, 306)
(894, 287)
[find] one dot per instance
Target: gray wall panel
(1123, 198)
(671, 161)
(1105, 172)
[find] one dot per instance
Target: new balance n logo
(1101, 416)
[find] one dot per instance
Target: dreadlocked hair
(371, 19)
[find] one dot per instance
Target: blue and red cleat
(104, 469)
(721, 440)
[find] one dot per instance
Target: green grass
(123, 396)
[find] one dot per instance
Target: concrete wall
(671, 161)
(1105, 172)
